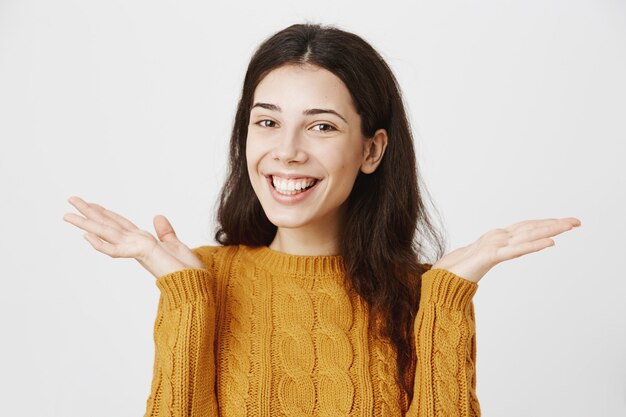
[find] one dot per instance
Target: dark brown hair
(382, 240)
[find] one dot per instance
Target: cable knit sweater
(263, 333)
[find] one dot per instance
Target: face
(304, 147)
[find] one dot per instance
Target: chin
(287, 222)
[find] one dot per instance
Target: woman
(318, 300)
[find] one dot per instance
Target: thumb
(164, 229)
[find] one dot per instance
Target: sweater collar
(280, 262)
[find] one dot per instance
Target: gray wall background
(518, 109)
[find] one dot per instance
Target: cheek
(253, 155)
(252, 163)
(344, 161)
(344, 167)
(249, 156)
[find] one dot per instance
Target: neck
(310, 240)
(292, 242)
(318, 239)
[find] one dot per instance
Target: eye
(328, 127)
(270, 123)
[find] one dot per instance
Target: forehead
(303, 86)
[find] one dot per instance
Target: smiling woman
(321, 108)
(329, 186)
(319, 299)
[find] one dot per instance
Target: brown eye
(270, 123)
(327, 127)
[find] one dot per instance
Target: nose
(289, 148)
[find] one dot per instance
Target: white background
(518, 109)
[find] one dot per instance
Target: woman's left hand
(473, 261)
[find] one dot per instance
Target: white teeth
(291, 186)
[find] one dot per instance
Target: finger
(539, 232)
(127, 224)
(103, 231)
(574, 221)
(164, 229)
(91, 211)
(514, 251)
(100, 245)
(529, 224)
(526, 224)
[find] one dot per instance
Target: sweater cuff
(447, 289)
(184, 286)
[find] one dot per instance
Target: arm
(183, 382)
(445, 340)
(444, 330)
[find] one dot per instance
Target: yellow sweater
(264, 333)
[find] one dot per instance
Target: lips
(290, 176)
(292, 196)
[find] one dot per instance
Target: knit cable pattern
(182, 385)
(444, 336)
(385, 382)
(235, 363)
(166, 343)
(447, 339)
(290, 341)
(294, 349)
(334, 349)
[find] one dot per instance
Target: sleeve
(445, 342)
(183, 382)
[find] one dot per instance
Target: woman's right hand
(114, 235)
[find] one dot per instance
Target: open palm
(116, 236)
(472, 262)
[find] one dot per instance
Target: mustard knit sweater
(264, 333)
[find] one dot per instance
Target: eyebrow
(308, 112)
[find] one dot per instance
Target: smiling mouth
(292, 187)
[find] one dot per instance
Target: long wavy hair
(383, 240)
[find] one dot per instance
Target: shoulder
(213, 256)
(217, 260)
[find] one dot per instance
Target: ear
(373, 151)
